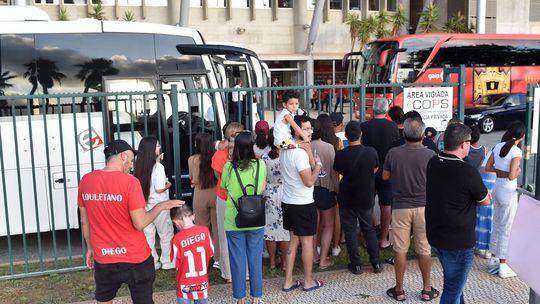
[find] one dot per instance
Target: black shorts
(383, 189)
(324, 199)
(139, 278)
(300, 219)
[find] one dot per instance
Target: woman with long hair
(245, 244)
(505, 162)
(324, 194)
(203, 182)
(220, 158)
(328, 135)
(155, 186)
(274, 232)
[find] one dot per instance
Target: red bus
(495, 63)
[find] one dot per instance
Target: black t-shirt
(379, 133)
(426, 142)
(357, 187)
(453, 191)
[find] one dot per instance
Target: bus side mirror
(383, 58)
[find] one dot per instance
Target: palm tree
(457, 24)
(98, 12)
(429, 18)
(92, 72)
(43, 72)
(353, 20)
(382, 20)
(398, 21)
(366, 30)
(4, 78)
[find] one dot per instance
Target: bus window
(169, 61)
(369, 69)
(412, 59)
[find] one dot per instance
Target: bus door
(196, 114)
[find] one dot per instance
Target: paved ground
(343, 287)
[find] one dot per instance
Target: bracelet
(318, 164)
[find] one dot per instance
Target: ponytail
(507, 146)
(515, 132)
(261, 141)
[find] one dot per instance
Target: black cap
(117, 146)
(337, 118)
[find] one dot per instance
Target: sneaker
(216, 265)
(355, 269)
(377, 268)
(157, 265)
(336, 251)
(266, 255)
(167, 266)
(487, 255)
(505, 271)
(318, 250)
(493, 265)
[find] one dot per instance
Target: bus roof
(464, 36)
(22, 13)
(95, 26)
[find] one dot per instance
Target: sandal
(330, 264)
(396, 295)
(295, 285)
(318, 284)
(429, 295)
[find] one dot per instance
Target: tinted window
(488, 53)
(170, 61)
(417, 52)
(78, 62)
(16, 58)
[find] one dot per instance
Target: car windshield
(490, 100)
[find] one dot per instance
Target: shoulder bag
(251, 208)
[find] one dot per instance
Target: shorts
(300, 219)
(383, 189)
(405, 220)
(324, 199)
(139, 277)
(287, 144)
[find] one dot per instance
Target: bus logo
(89, 139)
(493, 80)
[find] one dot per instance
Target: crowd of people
(320, 180)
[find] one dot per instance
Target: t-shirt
(219, 160)
(230, 182)
(327, 153)
(357, 186)
(291, 163)
(158, 181)
(282, 129)
(341, 135)
(503, 163)
(453, 191)
(192, 250)
(407, 165)
(108, 197)
(379, 133)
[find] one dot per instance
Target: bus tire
(487, 124)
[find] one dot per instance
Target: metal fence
(48, 142)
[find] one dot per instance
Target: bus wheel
(487, 124)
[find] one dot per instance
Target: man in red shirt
(113, 217)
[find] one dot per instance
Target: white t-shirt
(236, 96)
(282, 130)
(291, 162)
(503, 163)
(158, 181)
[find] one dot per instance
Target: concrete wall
(513, 17)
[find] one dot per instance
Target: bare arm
(167, 186)
(486, 201)
(310, 176)
(515, 170)
(289, 119)
(86, 232)
(142, 218)
(490, 164)
(386, 175)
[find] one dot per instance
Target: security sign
(89, 139)
(434, 104)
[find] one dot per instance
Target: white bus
(41, 167)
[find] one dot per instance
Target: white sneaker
(336, 251)
(216, 265)
(318, 250)
(487, 255)
(505, 271)
(493, 265)
(167, 266)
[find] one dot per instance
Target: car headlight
(474, 116)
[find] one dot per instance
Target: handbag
(251, 208)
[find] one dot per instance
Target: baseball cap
(262, 127)
(337, 118)
(117, 146)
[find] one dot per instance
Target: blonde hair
(230, 133)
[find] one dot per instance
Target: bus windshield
(369, 68)
(416, 53)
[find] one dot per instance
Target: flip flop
(327, 266)
(293, 287)
(318, 284)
